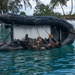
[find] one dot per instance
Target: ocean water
(59, 61)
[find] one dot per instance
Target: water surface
(60, 61)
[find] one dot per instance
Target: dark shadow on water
(58, 61)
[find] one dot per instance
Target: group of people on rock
(36, 44)
(39, 43)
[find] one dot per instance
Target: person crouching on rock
(40, 43)
(53, 41)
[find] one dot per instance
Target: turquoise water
(60, 61)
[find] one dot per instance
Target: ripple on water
(59, 61)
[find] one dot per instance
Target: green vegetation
(44, 10)
(10, 6)
(55, 3)
(48, 10)
(71, 7)
(27, 2)
(14, 6)
(22, 13)
(62, 3)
